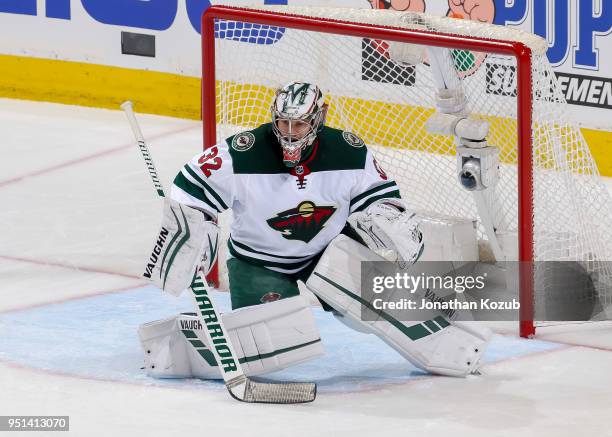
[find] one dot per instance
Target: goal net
(381, 81)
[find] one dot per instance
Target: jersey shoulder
(341, 150)
(255, 151)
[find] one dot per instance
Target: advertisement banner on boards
(578, 33)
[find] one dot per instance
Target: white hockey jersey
(283, 217)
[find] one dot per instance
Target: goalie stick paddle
(238, 384)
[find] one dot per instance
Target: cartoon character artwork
(466, 62)
(399, 5)
(377, 63)
(477, 10)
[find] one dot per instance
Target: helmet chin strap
(292, 159)
(299, 155)
(293, 156)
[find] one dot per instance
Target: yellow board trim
(78, 83)
(600, 144)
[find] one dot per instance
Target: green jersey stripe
(371, 191)
(259, 252)
(413, 332)
(288, 271)
(193, 190)
(264, 263)
(189, 175)
(207, 187)
(371, 200)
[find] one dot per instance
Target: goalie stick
(238, 384)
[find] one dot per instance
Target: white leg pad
(172, 349)
(274, 335)
(436, 345)
(266, 338)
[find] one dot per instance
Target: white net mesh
(371, 92)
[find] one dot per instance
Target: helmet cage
(313, 116)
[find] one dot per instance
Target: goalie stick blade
(274, 392)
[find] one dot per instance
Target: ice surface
(96, 337)
(78, 211)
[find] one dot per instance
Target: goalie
(294, 185)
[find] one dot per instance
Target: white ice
(78, 214)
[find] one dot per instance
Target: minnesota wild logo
(302, 223)
(243, 142)
(296, 94)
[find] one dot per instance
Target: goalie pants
(253, 285)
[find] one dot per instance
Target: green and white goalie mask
(298, 114)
